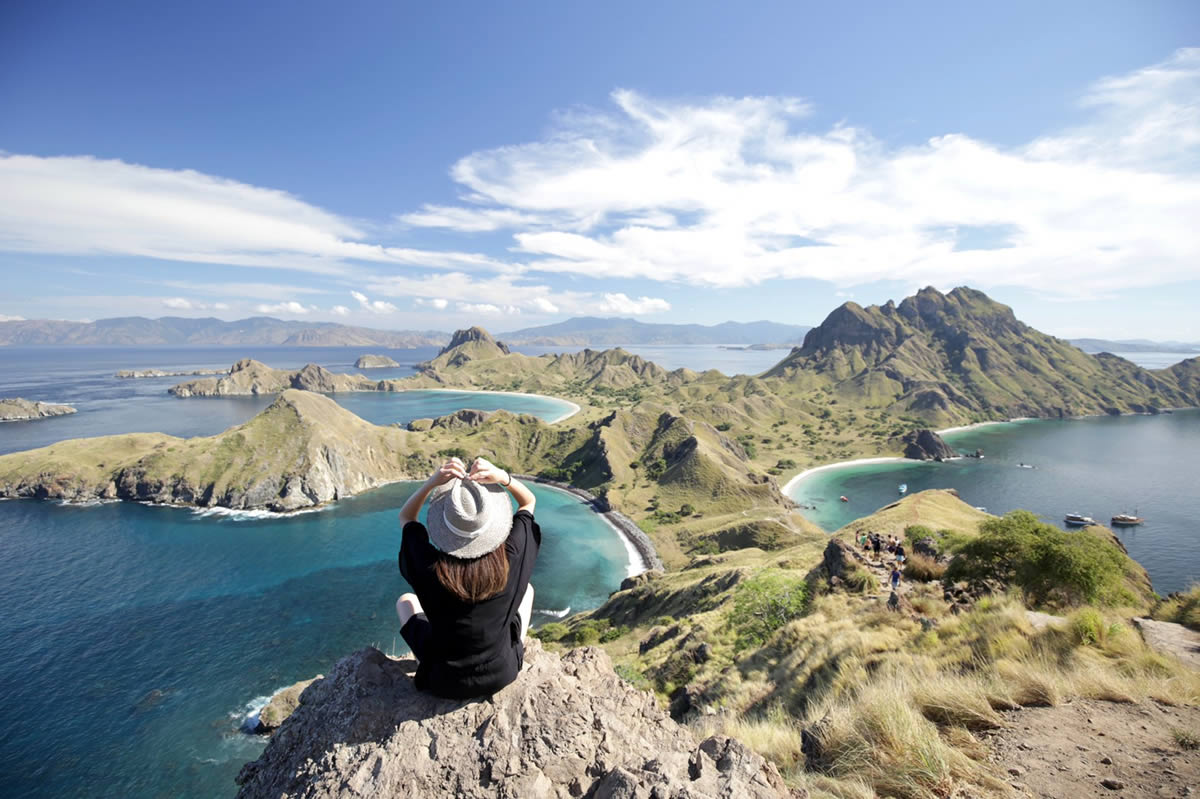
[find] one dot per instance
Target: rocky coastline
(21, 410)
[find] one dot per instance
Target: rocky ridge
(251, 377)
(133, 374)
(568, 727)
(18, 410)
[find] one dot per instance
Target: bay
(134, 640)
(1095, 466)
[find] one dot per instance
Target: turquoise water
(135, 639)
(1097, 466)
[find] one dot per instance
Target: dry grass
(923, 568)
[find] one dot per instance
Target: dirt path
(1170, 638)
(1091, 748)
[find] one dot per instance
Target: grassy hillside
(847, 696)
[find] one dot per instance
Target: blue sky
(410, 166)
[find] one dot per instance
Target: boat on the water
(903, 489)
(844, 498)
(1126, 520)
(1078, 520)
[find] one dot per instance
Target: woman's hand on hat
(449, 470)
(483, 471)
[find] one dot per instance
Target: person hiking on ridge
(895, 578)
(469, 569)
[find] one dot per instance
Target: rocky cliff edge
(568, 727)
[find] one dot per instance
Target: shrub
(554, 631)
(630, 674)
(1049, 565)
(923, 567)
(686, 509)
(455, 452)
(724, 426)
(589, 632)
(655, 470)
(1186, 739)
(763, 604)
(1181, 608)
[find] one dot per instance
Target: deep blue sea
(135, 640)
(1097, 466)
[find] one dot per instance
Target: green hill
(961, 356)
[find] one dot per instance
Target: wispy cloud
(339, 310)
(290, 307)
(81, 205)
(621, 304)
(728, 192)
(437, 303)
(374, 306)
(7, 318)
(178, 303)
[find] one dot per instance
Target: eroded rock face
(926, 445)
(17, 409)
(568, 727)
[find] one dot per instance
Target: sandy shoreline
(790, 484)
(642, 556)
(574, 408)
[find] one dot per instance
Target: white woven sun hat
(469, 519)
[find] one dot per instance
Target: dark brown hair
(476, 579)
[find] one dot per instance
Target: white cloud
(340, 310)
(178, 303)
(729, 192)
(621, 304)
(6, 318)
(437, 303)
(544, 305)
(291, 307)
(220, 306)
(79, 205)
(487, 308)
(374, 306)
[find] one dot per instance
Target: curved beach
(642, 555)
(790, 484)
(574, 408)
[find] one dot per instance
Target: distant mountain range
(596, 331)
(1134, 345)
(175, 331)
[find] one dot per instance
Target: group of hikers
(874, 543)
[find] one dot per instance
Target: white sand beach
(790, 484)
(574, 408)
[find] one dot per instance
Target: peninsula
(18, 410)
(132, 374)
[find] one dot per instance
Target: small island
(21, 410)
(374, 362)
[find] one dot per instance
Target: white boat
(903, 488)
(1078, 520)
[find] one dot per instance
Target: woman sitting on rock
(470, 570)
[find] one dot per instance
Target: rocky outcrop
(568, 727)
(926, 445)
(250, 377)
(473, 335)
(280, 707)
(374, 362)
(18, 410)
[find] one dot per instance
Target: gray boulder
(568, 727)
(926, 445)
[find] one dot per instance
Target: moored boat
(903, 488)
(1126, 520)
(844, 498)
(1078, 520)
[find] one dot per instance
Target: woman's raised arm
(444, 474)
(483, 471)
